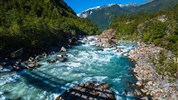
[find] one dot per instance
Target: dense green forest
(39, 24)
(160, 28)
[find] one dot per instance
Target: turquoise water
(84, 64)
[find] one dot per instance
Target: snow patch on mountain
(89, 11)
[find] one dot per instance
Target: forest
(39, 24)
(160, 28)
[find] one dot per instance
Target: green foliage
(39, 23)
(166, 66)
(150, 28)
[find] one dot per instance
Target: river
(84, 64)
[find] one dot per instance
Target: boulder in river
(106, 39)
(32, 66)
(62, 59)
(88, 91)
(139, 84)
(109, 34)
(73, 41)
(51, 60)
(63, 49)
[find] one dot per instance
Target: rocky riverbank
(32, 62)
(150, 83)
(149, 80)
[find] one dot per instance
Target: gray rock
(63, 49)
(63, 59)
(139, 84)
(51, 61)
(31, 59)
(145, 98)
(32, 66)
(137, 92)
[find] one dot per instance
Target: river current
(84, 64)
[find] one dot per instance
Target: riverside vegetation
(160, 29)
(39, 24)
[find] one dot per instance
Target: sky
(80, 5)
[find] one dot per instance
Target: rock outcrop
(88, 91)
(109, 34)
(106, 38)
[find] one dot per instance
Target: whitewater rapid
(84, 64)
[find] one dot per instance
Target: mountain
(39, 24)
(102, 15)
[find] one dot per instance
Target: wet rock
(73, 41)
(149, 83)
(137, 92)
(63, 49)
(60, 55)
(51, 60)
(37, 57)
(17, 68)
(32, 66)
(63, 59)
(125, 92)
(89, 90)
(30, 59)
(118, 50)
(144, 98)
(139, 84)
(144, 91)
(45, 55)
(99, 49)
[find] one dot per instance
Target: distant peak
(110, 5)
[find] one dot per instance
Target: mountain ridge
(102, 15)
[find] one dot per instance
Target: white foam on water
(117, 95)
(1, 92)
(73, 64)
(43, 63)
(72, 84)
(70, 55)
(8, 79)
(54, 96)
(116, 79)
(65, 73)
(2, 97)
(94, 78)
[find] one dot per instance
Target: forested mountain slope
(39, 24)
(159, 28)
